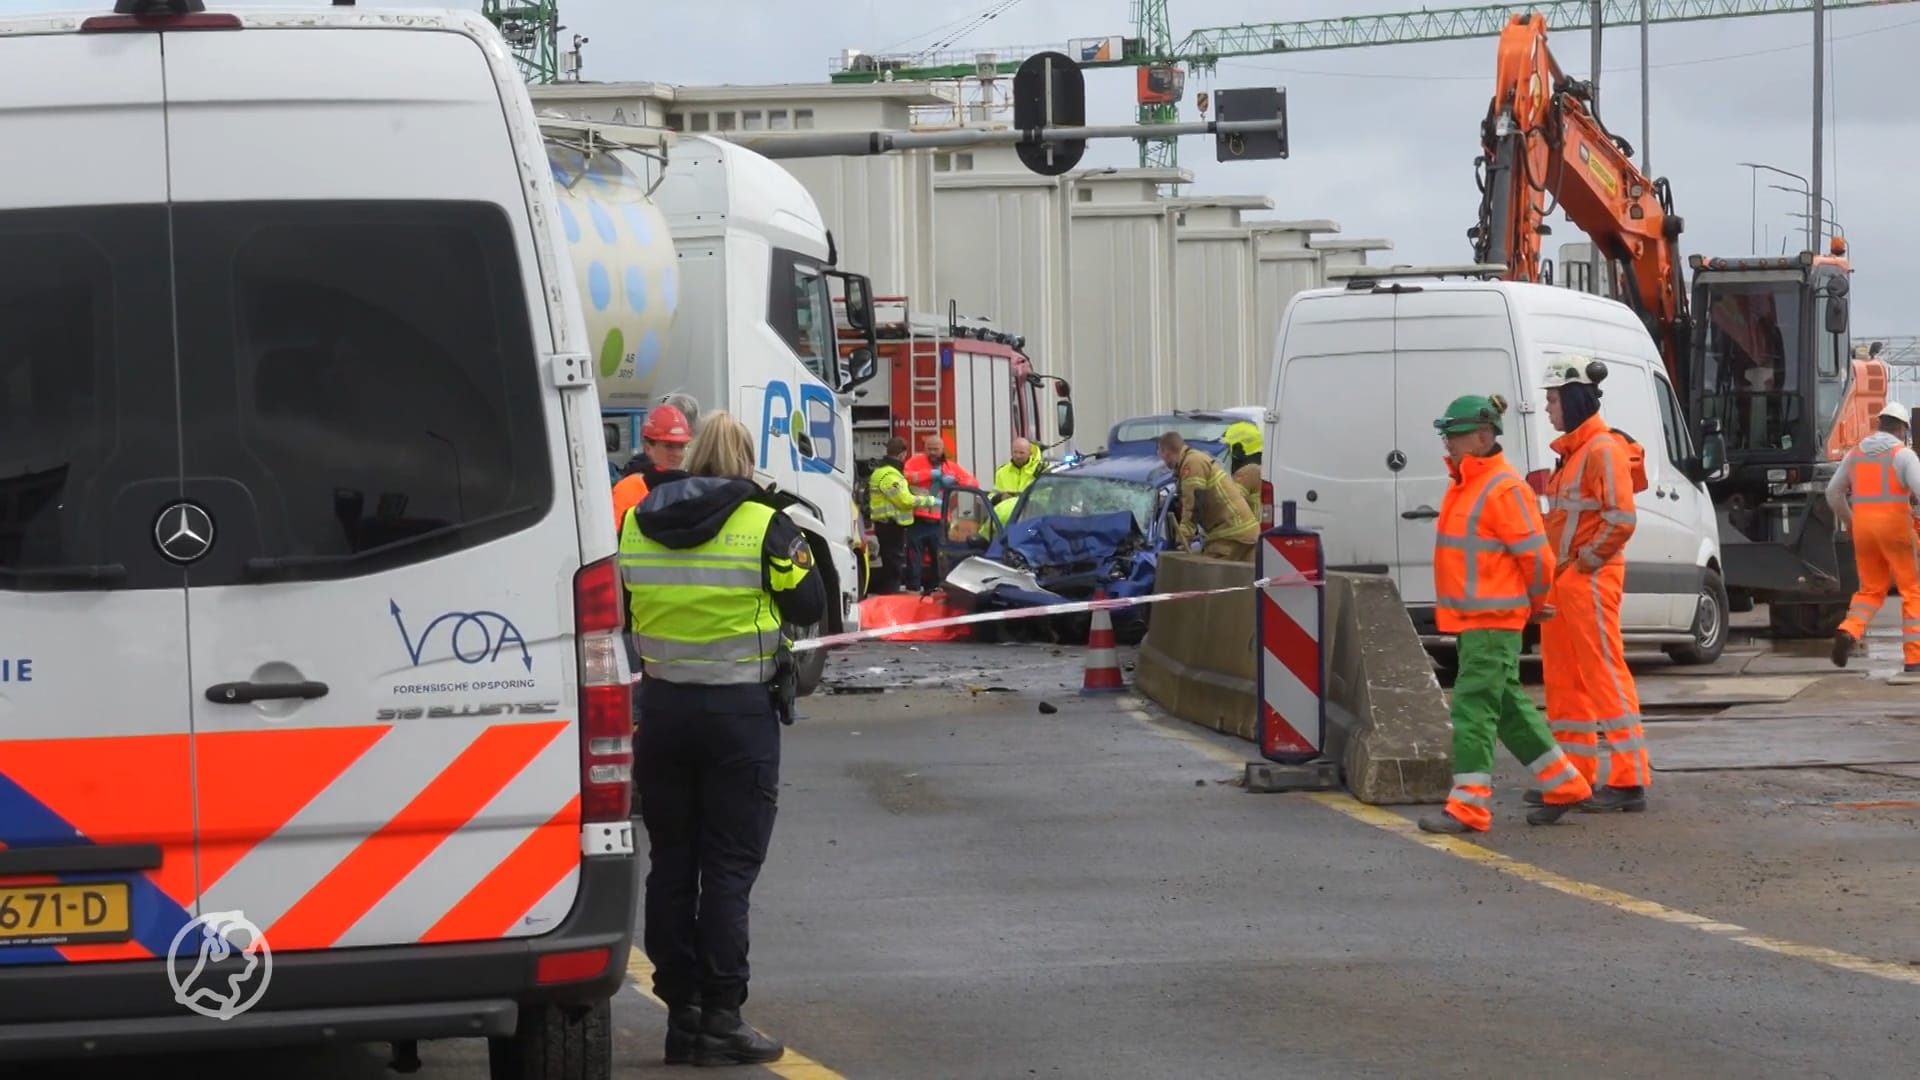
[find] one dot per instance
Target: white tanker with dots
(709, 277)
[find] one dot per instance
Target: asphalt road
(965, 886)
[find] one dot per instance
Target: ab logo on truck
(815, 418)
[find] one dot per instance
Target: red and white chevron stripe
(1290, 623)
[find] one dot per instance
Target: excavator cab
(1770, 364)
(1772, 368)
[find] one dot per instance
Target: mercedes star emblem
(1396, 461)
(184, 533)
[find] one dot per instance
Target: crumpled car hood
(1062, 540)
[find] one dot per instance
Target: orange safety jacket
(1590, 513)
(1491, 563)
(919, 471)
(627, 494)
(1874, 484)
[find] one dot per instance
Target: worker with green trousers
(1491, 571)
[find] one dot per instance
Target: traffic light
(1258, 103)
(1049, 91)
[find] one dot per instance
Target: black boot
(1444, 822)
(1550, 813)
(1631, 800)
(1842, 647)
(725, 1039)
(683, 1029)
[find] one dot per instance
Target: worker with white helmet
(1872, 495)
(1593, 706)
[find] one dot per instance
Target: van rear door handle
(1421, 513)
(242, 693)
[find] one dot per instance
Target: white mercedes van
(309, 613)
(1361, 370)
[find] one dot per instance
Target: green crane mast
(532, 30)
(1156, 38)
(1202, 50)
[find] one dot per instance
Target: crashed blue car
(1100, 524)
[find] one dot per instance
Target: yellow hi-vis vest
(699, 614)
(891, 500)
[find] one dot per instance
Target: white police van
(307, 595)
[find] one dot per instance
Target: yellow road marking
(1386, 820)
(793, 1065)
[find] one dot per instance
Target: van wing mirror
(1711, 462)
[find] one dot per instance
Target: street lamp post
(1827, 222)
(1804, 186)
(1832, 211)
(1819, 110)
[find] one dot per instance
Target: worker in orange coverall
(1491, 569)
(1591, 694)
(1879, 478)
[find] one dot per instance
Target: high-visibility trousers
(1591, 694)
(1884, 555)
(1487, 703)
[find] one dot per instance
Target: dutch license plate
(65, 914)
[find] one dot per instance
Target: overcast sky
(1383, 139)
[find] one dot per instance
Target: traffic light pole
(1049, 130)
(791, 144)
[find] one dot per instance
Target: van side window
(1679, 446)
(367, 373)
(86, 387)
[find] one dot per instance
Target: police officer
(712, 572)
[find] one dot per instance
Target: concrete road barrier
(1197, 661)
(1387, 720)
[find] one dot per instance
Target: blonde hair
(722, 447)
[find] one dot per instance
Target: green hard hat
(1471, 411)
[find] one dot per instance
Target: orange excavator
(1758, 349)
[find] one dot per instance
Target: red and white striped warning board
(1290, 622)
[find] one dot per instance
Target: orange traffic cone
(1103, 664)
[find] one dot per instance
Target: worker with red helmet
(663, 447)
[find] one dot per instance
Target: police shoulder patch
(799, 552)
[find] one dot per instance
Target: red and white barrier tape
(1071, 607)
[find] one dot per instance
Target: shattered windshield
(1083, 496)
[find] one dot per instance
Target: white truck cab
(705, 269)
(1361, 370)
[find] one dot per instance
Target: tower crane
(532, 29)
(1163, 63)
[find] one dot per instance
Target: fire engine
(963, 380)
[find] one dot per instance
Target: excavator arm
(1543, 149)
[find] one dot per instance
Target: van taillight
(1266, 505)
(1537, 480)
(606, 698)
(119, 24)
